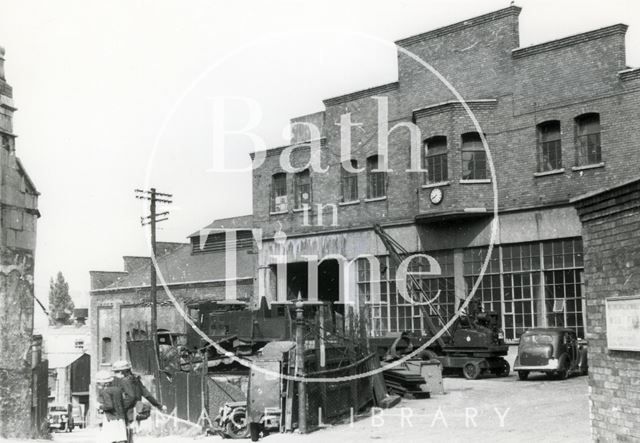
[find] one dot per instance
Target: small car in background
(60, 419)
(555, 351)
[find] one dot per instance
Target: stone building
(19, 213)
(559, 119)
(611, 234)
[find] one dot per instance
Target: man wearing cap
(133, 392)
(110, 403)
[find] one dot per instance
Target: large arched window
(588, 151)
(302, 189)
(376, 179)
(279, 192)
(435, 160)
(474, 158)
(549, 146)
(349, 182)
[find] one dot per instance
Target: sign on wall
(623, 323)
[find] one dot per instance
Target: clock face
(436, 196)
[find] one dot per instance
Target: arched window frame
(435, 160)
(349, 182)
(376, 179)
(474, 157)
(279, 197)
(302, 189)
(587, 139)
(549, 149)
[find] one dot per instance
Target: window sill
(278, 212)
(349, 203)
(301, 209)
(545, 173)
(436, 185)
(475, 182)
(593, 166)
(377, 199)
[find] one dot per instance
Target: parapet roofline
(603, 190)
(277, 149)
(475, 21)
(482, 103)
(575, 39)
(363, 93)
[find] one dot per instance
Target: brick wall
(611, 236)
(556, 80)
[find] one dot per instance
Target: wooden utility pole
(302, 388)
(152, 219)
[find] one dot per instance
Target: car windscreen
(538, 339)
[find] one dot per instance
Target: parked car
(60, 419)
(554, 351)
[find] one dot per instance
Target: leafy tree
(60, 303)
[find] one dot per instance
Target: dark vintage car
(554, 351)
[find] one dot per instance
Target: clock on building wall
(436, 196)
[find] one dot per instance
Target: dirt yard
(490, 410)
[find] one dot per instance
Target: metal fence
(328, 402)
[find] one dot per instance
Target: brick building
(611, 234)
(19, 213)
(194, 272)
(559, 119)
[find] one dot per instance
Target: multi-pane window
(440, 307)
(376, 179)
(474, 157)
(522, 292)
(549, 146)
(532, 285)
(392, 313)
(349, 182)
(79, 345)
(488, 290)
(563, 273)
(588, 150)
(435, 160)
(302, 189)
(279, 192)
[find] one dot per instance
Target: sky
(117, 95)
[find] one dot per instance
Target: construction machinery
(473, 344)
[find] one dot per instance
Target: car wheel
(563, 372)
(237, 426)
(471, 371)
(504, 370)
(523, 375)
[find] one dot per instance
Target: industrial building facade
(559, 119)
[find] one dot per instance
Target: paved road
(490, 410)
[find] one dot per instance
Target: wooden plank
(389, 401)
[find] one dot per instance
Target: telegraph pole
(152, 219)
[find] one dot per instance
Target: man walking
(133, 392)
